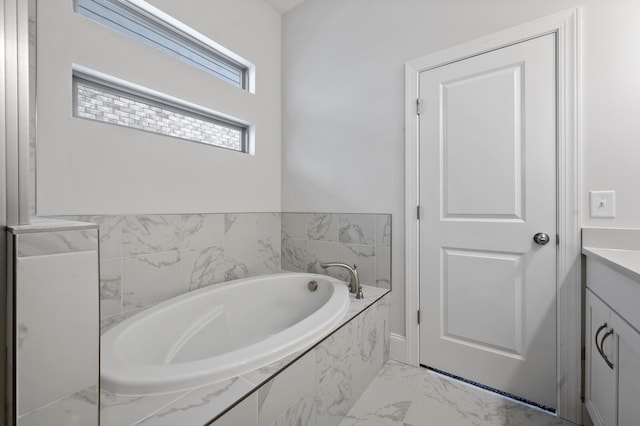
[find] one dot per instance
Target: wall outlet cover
(602, 203)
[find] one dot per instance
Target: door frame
(566, 26)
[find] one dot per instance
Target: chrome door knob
(541, 238)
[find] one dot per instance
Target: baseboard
(586, 419)
(398, 348)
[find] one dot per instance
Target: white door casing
(566, 27)
(487, 185)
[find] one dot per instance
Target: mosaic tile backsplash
(146, 259)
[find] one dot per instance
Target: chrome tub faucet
(354, 281)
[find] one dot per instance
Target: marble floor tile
(500, 411)
(403, 374)
(383, 403)
(402, 395)
(446, 402)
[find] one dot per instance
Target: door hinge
(418, 106)
(419, 212)
(557, 239)
(418, 316)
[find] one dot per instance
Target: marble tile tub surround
(309, 239)
(56, 262)
(317, 386)
(146, 259)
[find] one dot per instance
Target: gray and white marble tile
(234, 270)
(303, 413)
(202, 267)
(200, 405)
(150, 279)
(108, 323)
(48, 243)
(371, 295)
(322, 227)
(78, 409)
(367, 357)
(201, 231)
(262, 374)
(335, 395)
(119, 410)
(269, 243)
(294, 255)
(57, 317)
(446, 401)
(245, 413)
(386, 351)
(357, 229)
(334, 349)
(294, 225)
(382, 403)
(147, 234)
(439, 400)
(364, 332)
(364, 257)
(321, 252)
(268, 256)
(382, 309)
(500, 411)
(269, 226)
(110, 233)
(284, 390)
(110, 287)
(241, 244)
(383, 267)
(383, 230)
(403, 374)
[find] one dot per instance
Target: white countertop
(626, 262)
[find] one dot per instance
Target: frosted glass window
(141, 25)
(101, 102)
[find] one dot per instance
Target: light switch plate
(602, 203)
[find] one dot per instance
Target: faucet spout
(354, 281)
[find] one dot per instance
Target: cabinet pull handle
(602, 327)
(606, 359)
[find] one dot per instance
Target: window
(141, 21)
(99, 99)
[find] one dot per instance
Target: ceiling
(284, 6)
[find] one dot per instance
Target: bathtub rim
(311, 337)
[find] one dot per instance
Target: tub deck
(206, 404)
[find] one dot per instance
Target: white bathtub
(219, 332)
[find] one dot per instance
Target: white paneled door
(487, 132)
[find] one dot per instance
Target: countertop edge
(605, 255)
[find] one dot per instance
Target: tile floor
(402, 395)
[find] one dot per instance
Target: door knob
(541, 238)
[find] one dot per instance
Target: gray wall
(85, 167)
(343, 100)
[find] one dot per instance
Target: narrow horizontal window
(173, 38)
(105, 101)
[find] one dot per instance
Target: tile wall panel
(146, 259)
(309, 239)
(56, 285)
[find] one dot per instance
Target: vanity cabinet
(612, 375)
(600, 391)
